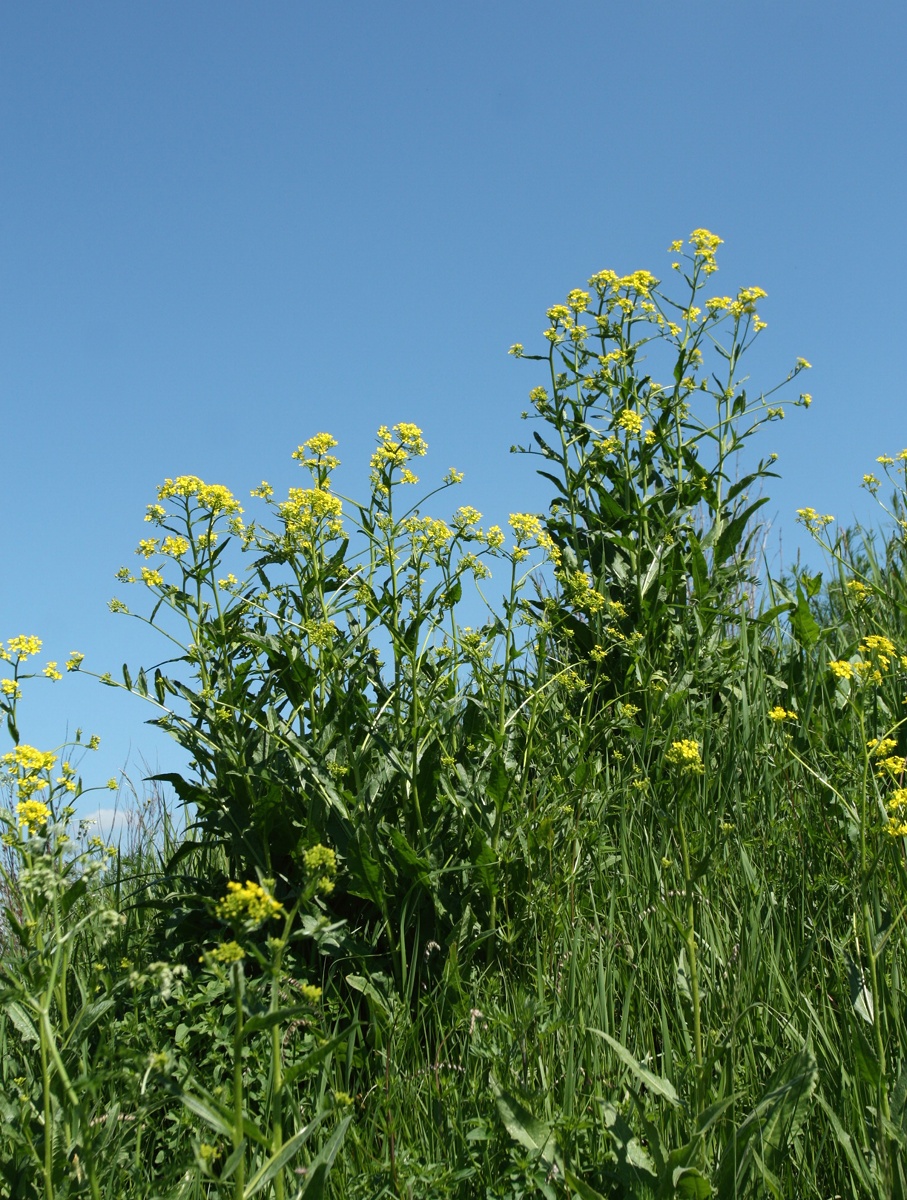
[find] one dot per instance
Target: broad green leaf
(523, 1127)
(691, 1184)
(321, 1165)
(655, 1083)
(278, 1161)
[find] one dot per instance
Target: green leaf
(655, 1083)
(860, 995)
(322, 1163)
(22, 1021)
(691, 1184)
(278, 1161)
(313, 1058)
(523, 1127)
(771, 1126)
(582, 1189)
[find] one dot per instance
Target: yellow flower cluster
(32, 814)
(248, 902)
(897, 807)
(311, 510)
(879, 655)
(631, 421)
(321, 861)
(22, 647)
(394, 452)
(211, 496)
(427, 533)
(314, 452)
(583, 594)
(812, 520)
(705, 244)
(781, 714)
(27, 758)
(686, 756)
(744, 305)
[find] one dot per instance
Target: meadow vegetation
(600, 895)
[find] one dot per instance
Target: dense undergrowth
(602, 896)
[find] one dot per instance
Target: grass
(603, 897)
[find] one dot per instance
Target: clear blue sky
(227, 226)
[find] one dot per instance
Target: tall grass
(602, 897)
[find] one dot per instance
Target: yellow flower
(781, 714)
(248, 902)
(229, 952)
(27, 758)
(213, 496)
(10, 688)
(630, 421)
(24, 646)
(32, 814)
(686, 756)
(175, 547)
(812, 520)
(841, 668)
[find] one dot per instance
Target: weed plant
(602, 897)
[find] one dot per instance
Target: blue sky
(226, 227)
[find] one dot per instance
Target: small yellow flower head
(51, 672)
(309, 992)
(704, 243)
(881, 747)
(454, 476)
(23, 647)
(320, 860)
(10, 688)
(577, 300)
(248, 902)
(516, 350)
(880, 648)
(94, 742)
(803, 365)
(27, 758)
(686, 756)
(676, 247)
(841, 668)
(112, 785)
(781, 714)
(630, 420)
(152, 578)
(33, 815)
(228, 953)
(264, 491)
(214, 497)
(147, 547)
(228, 583)
(319, 444)
(871, 483)
(465, 517)
(525, 526)
(892, 766)
(175, 547)
(812, 520)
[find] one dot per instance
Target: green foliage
(602, 897)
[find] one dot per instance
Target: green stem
(239, 1179)
(690, 941)
(276, 1076)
